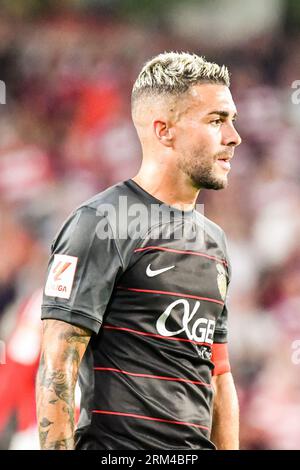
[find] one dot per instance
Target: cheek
(205, 136)
(203, 144)
(197, 138)
(211, 135)
(191, 138)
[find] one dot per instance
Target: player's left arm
(225, 419)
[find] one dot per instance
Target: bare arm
(63, 346)
(225, 425)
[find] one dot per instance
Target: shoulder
(106, 204)
(114, 196)
(214, 228)
(82, 222)
(211, 228)
(101, 224)
(213, 231)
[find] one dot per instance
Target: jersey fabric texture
(155, 304)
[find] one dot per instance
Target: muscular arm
(225, 425)
(63, 346)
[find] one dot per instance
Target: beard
(201, 171)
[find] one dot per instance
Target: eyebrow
(223, 114)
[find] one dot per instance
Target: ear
(163, 133)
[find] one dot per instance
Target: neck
(169, 185)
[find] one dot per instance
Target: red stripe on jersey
(171, 338)
(150, 418)
(176, 294)
(184, 252)
(159, 377)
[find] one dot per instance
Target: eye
(216, 122)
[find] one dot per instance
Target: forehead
(207, 97)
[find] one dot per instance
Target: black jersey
(155, 303)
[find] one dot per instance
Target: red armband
(220, 358)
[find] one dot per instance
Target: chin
(223, 184)
(210, 183)
(218, 183)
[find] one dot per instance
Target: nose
(231, 137)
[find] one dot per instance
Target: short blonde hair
(175, 72)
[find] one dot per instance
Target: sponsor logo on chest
(200, 330)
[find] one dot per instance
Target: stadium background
(65, 134)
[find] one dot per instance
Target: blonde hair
(175, 72)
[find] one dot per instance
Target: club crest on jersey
(221, 280)
(61, 276)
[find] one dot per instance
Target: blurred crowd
(66, 134)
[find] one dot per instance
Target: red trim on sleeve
(220, 358)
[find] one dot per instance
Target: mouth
(224, 162)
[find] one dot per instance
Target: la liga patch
(61, 276)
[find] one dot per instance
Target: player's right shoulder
(114, 196)
(100, 222)
(85, 218)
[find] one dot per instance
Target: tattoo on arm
(62, 350)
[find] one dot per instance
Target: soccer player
(135, 300)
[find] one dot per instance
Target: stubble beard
(200, 170)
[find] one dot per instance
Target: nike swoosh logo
(155, 272)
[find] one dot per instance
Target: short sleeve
(82, 272)
(221, 330)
